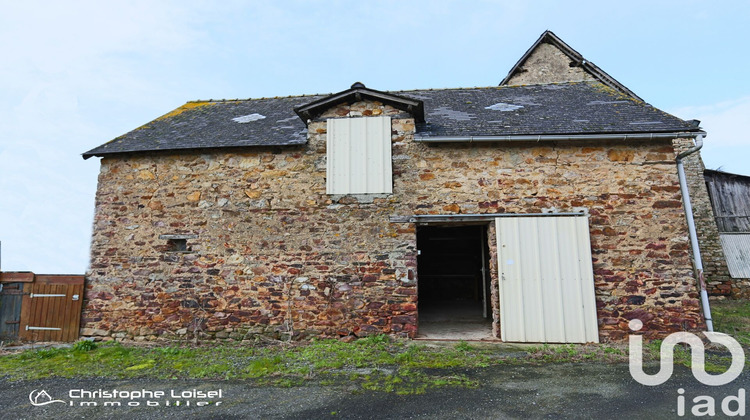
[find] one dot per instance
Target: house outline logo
(41, 398)
(697, 356)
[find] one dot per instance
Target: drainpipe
(697, 261)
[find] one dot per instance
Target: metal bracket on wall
(38, 295)
(43, 328)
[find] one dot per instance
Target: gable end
(554, 61)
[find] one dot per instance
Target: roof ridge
(257, 99)
(506, 86)
(309, 95)
(434, 89)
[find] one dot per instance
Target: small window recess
(177, 243)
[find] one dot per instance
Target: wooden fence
(730, 199)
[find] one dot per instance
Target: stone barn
(545, 209)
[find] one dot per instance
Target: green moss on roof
(187, 107)
(614, 92)
(171, 114)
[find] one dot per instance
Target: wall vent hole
(177, 245)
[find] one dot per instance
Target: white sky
(76, 74)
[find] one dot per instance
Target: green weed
(85, 345)
(464, 346)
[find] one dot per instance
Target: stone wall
(275, 255)
(716, 272)
(547, 64)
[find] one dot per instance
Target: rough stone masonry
(274, 255)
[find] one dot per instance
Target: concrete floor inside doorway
(454, 320)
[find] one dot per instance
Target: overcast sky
(76, 74)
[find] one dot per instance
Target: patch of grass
(409, 382)
(147, 365)
(732, 317)
(574, 353)
(263, 366)
(334, 354)
(373, 363)
(615, 351)
(420, 356)
(714, 362)
(464, 346)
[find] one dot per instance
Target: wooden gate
(10, 310)
(40, 307)
(11, 294)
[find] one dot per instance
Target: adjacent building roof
(729, 175)
(565, 108)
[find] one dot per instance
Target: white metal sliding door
(546, 280)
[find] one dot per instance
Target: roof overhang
(356, 93)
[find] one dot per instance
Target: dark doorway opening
(454, 283)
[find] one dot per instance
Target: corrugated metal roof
(737, 251)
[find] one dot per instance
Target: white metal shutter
(358, 153)
(546, 280)
(737, 251)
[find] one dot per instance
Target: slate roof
(216, 124)
(566, 108)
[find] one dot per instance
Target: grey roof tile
(216, 124)
(567, 108)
